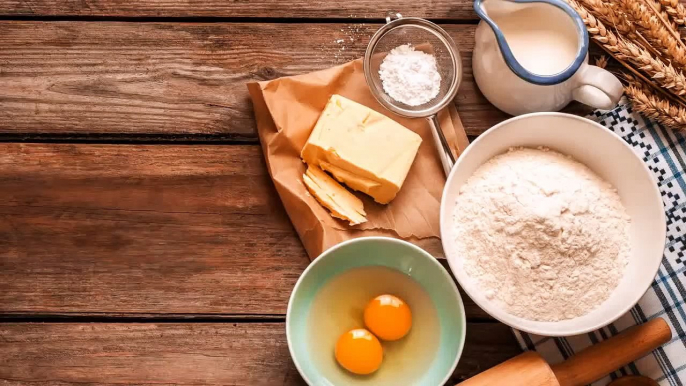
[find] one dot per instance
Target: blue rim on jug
(515, 66)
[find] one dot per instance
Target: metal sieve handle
(444, 152)
(392, 15)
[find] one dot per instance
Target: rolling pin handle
(527, 369)
(601, 359)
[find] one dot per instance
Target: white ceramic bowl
(607, 155)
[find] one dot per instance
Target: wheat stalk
(646, 42)
(663, 74)
(609, 13)
(655, 29)
(667, 22)
(653, 107)
(675, 10)
(626, 52)
(657, 6)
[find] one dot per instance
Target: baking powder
(410, 76)
(544, 236)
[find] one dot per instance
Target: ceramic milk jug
(532, 55)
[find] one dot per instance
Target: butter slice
(333, 196)
(361, 148)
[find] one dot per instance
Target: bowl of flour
(552, 224)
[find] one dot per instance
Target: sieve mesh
(423, 36)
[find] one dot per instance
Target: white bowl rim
(378, 238)
(486, 306)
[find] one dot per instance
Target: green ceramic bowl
(392, 253)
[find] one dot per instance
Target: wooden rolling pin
(529, 369)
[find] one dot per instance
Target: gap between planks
(219, 19)
(135, 139)
(127, 139)
(236, 10)
(84, 317)
(81, 317)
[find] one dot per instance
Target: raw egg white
(339, 307)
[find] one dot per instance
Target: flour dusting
(545, 237)
(410, 76)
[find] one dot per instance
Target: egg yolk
(388, 317)
(359, 352)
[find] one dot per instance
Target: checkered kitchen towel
(664, 151)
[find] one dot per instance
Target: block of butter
(361, 148)
(333, 196)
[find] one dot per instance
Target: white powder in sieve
(544, 236)
(410, 76)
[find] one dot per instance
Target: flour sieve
(424, 36)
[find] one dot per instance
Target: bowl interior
(391, 253)
(609, 157)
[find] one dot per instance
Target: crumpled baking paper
(286, 110)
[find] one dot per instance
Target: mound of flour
(544, 236)
(410, 76)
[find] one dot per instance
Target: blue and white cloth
(664, 151)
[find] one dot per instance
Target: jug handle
(597, 88)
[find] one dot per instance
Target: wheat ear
(656, 5)
(653, 107)
(656, 30)
(675, 10)
(601, 61)
(626, 52)
(609, 14)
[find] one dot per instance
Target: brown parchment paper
(286, 110)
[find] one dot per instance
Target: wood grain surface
(151, 229)
(148, 262)
(434, 9)
(183, 79)
(144, 229)
(184, 354)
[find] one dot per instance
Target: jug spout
(499, 8)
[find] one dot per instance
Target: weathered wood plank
(435, 9)
(185, 354)
(150, 230)
(186, 229)
(188, 79)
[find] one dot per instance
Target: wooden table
(141, 240)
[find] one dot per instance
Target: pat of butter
(333, 196)
(365, 150)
